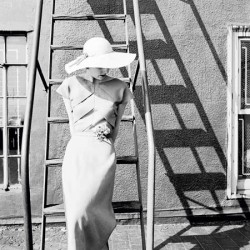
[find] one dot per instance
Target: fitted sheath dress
(89, 163)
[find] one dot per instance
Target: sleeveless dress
(89, 163)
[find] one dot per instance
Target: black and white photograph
(124, 125)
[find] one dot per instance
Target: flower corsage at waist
(102, 131)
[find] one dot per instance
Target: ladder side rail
(27, 130)
(150, 132)
(126, 33)
(43, 222)
(134, 129)
(52, 23)
(131, 84)
(45, 172)
(47, 129)
(47, 132)
(138, 175)
(129, 76)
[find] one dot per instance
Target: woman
(95, 104)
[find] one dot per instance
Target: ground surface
(223, 235)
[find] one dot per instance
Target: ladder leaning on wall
(119, 207)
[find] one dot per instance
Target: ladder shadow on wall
(192, 139)
(173, 95)
(185, 137)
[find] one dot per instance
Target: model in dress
(95, 104)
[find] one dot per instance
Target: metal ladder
(119, 207)
(34, 66)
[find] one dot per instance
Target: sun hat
(98, 53)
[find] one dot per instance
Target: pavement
(229, 235)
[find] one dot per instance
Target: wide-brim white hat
(98, 53)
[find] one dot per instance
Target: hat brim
(110, 61)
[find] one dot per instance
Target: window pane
(16, 49)
(1, 112)
(16, 109)
(245, 74)
(16, 81)
(15, 141)
(1, 170)
(1, 49)
(241, 153)
(244, 145)
(14, 170)
(1, 82)
(1, 141)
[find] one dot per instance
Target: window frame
(5, 124)
(236, 187)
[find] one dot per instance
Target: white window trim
(233, 182)
(6, 186)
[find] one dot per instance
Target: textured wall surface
(185, 44)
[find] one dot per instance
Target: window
(239, 112)
(13, 87)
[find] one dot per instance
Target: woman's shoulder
(75, 81)
(116, 88)
(69, 79)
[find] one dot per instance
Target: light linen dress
(89, 163)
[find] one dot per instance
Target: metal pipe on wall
(27, 129)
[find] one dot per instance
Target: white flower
(101, 131)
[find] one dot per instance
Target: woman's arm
(70, 115)
(121, 110)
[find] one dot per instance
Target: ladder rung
(54, 209)
(79, 47)
(125, 79)
(120, 160)
(55, 81)
(89, 17)
(119, 207)
(127, 159)
(128, 118)
(59, 81)
(57, 120)
(127, 207)
(52, 162)
(125, 118)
